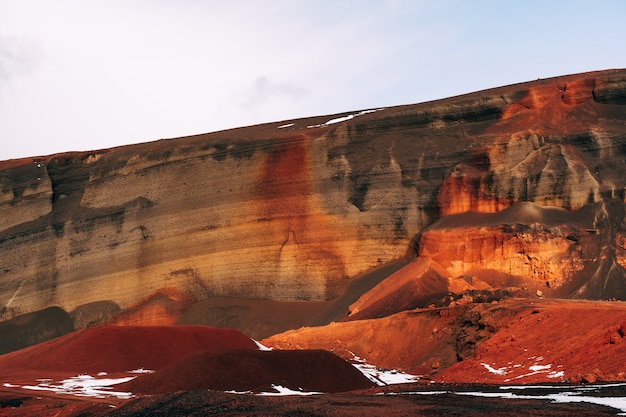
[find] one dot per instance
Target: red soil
(580, 340)
(245, 370)
(410, 287)
(118, 349)
(583, 340)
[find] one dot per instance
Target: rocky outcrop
(546, 247)
(295, 210)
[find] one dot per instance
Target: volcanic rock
(296, 213)
(405, 235)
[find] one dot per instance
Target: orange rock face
(533, 254)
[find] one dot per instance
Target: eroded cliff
(296, 210)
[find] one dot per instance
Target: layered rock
(538, 207)
(296, 212)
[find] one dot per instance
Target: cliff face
(296, 210)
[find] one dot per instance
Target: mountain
(298, 210)
(456, 239)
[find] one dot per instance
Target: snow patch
(499, 371)
(382, 377)
(558, 397)
(344, 118)
(285, 126)
(537, 368)
(560, 394)
(139, 371)
(280, 391)
(83, 386)
(261, 346)
(519, 371)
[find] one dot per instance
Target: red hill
(257, 371)
(123, 348)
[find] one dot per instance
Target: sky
(81, 75)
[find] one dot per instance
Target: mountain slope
(297, 210)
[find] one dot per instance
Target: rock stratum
(479, 238)
(520, 185)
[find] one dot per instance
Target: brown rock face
(295, 213)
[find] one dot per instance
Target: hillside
(296, 210)
(474, 239)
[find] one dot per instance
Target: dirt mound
(122, 348)
(409, 288)
(510, 341)
(257, 371)
(412, 341)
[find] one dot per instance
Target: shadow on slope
(262, 318)
(256, 371)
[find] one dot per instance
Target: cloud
(265, 91)
(18, 56)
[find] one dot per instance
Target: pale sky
(85, 74)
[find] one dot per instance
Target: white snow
(238, 392)
(578, 388)
(499, 371)
(285, 126)
(140, 371)
(561, 397)
(381, 377)
(535, 367)
(261, 347)
(563, 394)
(340, 119)
(83, 386)
(286, 391)
(344, 118)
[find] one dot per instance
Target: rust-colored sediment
(579, 340)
